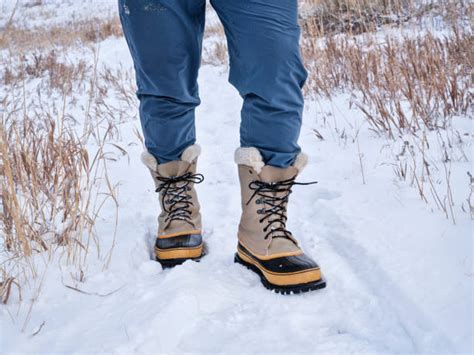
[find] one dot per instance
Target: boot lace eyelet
(176, 200)
(275, 197)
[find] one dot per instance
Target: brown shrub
(86, 31)
(431, 75)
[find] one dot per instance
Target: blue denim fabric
(165, 40)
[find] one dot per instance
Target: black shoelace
(275, 214)
(175, 196)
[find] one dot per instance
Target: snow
(399, 273)
(30, 14)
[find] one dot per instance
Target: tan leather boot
(265, 245)
(179, 223)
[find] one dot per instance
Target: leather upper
(166, 226)
(251, 232)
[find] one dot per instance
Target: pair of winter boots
(265, 246)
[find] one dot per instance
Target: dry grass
(324, 17)
(215, 50)
(38, 65)
(75, 33)
(54, 178)
(409, 87)
(404, 84)
(320, 18)
(215, 54)
(46, 168)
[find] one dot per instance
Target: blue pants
(165, 40)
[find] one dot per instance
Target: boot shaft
(265, 189)
(174, 181)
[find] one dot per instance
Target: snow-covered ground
(37, 13)
(400, 275)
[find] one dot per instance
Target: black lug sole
(170, 263)
(285, 290)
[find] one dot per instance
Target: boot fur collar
(189, 155)
(250, 156)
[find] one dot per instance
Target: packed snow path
(397, 273)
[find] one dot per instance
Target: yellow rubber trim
(273, 256)
(177, 234)
(179, 253)
(284, 279)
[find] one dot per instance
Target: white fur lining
(149, 160)
(189, 155)
(251, 157)
(300, 162)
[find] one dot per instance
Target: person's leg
(165, 40)
(266, 68)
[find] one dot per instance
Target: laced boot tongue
(270, 174)
(172, 193)
(173, 168)
(273, 174)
